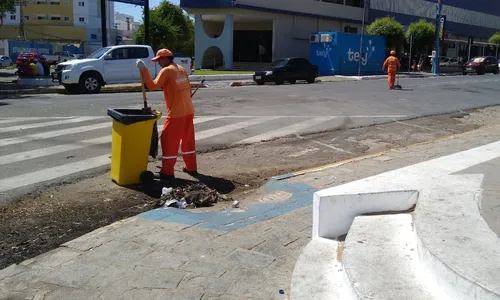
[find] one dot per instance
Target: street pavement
(244, 253)
(47, 139)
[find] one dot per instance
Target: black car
(481, 65)
(287, 69)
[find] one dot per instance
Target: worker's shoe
(192, 173)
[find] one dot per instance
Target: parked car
(5, 61)
(450, 65)
(287, 69)
(499, 62)
(59, 57)
(108, 65)
(23, 57)
(482, 65)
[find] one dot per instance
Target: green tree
(391, 29)
(7, 6)
(495, 39)
(169, 28)
(424, 34)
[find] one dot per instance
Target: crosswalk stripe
(46, 124)
(52, 173)
(32, 154)
(51, 134)
(231, 127)
(22, 119)
(285, 130)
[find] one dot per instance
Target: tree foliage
(169, 28)
(495, 39)
(388, 27)
(424, 34)
(7, 6)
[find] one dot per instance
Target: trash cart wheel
(147, 177)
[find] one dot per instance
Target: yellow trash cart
(130, 143)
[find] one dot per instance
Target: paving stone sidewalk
(247, 253)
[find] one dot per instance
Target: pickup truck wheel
(90, 83)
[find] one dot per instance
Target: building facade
(126, 26)
(253, 31)
(58, 21)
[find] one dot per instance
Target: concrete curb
(220, 77)
(465, 275)
(417, 75)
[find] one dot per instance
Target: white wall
(291, 34)
(7, 17)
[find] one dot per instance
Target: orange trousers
(178, 131)
(391, 79)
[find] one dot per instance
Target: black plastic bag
(153, 150)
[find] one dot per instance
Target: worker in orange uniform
(392, 64)
(179, 125)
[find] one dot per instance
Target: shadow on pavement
(154, 188)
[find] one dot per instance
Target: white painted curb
(36, 82)
(221, 77)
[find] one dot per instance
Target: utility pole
(147, 39)
(104, 26)
(435, 64)
(22, 34)
(409, 59)
(365, 4)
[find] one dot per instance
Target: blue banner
(134, 2)
(17, 47)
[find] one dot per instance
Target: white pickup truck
(59, 57)
(109, 65)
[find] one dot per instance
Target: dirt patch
(40, 222)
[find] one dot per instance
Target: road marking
(22, 156)
(45, 124)
(22, 119)
(284, 131)
(51, 134)
(52, 173)
(231, 127)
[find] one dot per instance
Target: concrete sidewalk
(245, 253)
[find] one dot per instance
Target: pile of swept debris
(191, 196)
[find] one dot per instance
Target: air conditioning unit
(326, 38)
(314, 38)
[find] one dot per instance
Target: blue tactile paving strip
(228, 220)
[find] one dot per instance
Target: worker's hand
(140, 64)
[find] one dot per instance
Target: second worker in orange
(179, 126)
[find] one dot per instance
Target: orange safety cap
(162, 53)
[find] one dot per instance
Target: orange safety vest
(391, 63)
(176, 87)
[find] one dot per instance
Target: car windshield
(279, 63)
(477, 59)
(97, 54)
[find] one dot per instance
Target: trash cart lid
(130, 116)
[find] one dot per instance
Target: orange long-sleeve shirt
(392, 64)
(176, 89)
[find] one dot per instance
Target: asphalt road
(49, 138)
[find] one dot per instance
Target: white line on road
(22, 119)
(346, 116)
(32, 154)
(231, 127)
(51, 134)
(52, 173)
(45, 124)
(285, 130)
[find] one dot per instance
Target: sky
(136, 11)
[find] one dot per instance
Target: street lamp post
(365, 4)
(435, 64)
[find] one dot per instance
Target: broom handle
(144, 98)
